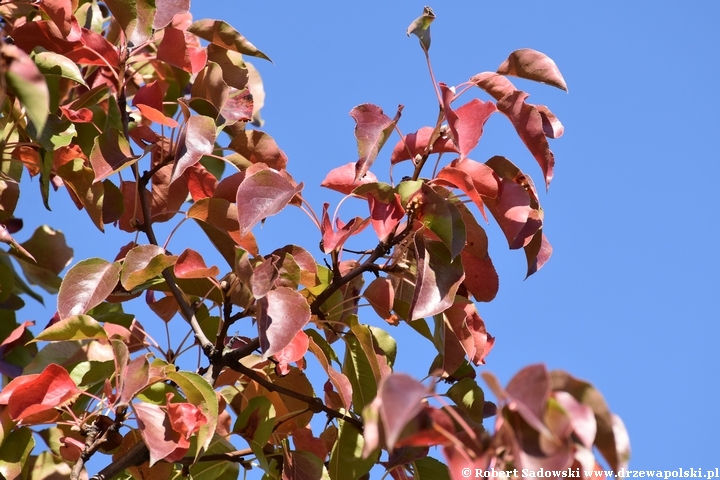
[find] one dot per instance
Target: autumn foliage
(144, 116)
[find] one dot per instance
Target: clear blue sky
(630, 299)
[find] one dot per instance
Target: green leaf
(223, 35)
(51, 63)
(24, 79)
(200, 393)
(420, 27)
(385, 342)
(469, 397)
(358, 370)
(56, 133)
(86, 285)
(443, 219)
(77, 327)
(429, 468)
(143, 263)
(256, 423)
(346, 461)
(14, 452)
(217, 470)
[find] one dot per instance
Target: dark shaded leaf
(135, 17)
(258, 147)
(533, 65)
(469, 397)
(86, 285)
(537, 252)
(25, 81)
(346, 460)
(438, 279)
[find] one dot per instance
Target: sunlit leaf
(533, 65)
(197, 139)
(178, 49)
(263, 193)
(493, 83)
(110, 153)
(149, 100)
(77, 327)
(190, 264)
(143, 263)
(33, 395)
(200, 393)
(284, 312)
(27, 83)
(86, 285)
(372, 129)
(342, 179)
(223, 35)
(414, 144)
(259, 147)
(51, 63)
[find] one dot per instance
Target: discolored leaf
(263, 193)
(515, 215)
(302, 465)
(135, 17)
(400, 398)
(15, 449)
(442, 218)
(24, 80)
(537, 252)
(223, 35)
(199, 392)
(325, 355)
(372, 129)
(86, 285)
(420, 27)
(197, 139)
(77, 327)
(342, 179)
(552, 128)
(463, 322)
(493, 83)
(385, 216)
(438, 279)
(110, 153)
(156, 430)
(293, 352)
(283, 313)
(414, 144)
(533, 65)
(79, 180)
(167, 9)
(335, 238)
(149, 100)
(468, 128)
(381, 295)
(143, 263)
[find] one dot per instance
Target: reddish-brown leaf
(463, 320)
(259, 147)
(533, 65)
(61, 13)
(86, 284)
(283, 313)
(110, 153)
(400, 399)
(517, 219)
(372, 129)
(197, 139)
(537, 252)
(166, 10)
(493, 83)
(190, 264)
(223, 35)
(185, 418)
(83, 115)
(471, 118)
(264, 192)
(381, 295)
(30, 157)
(385, 216)
(529, 391)
(335, 238)
(31, 395)
(414, 144)
(149, 100)
(181, 50)
(304, 440)
(165, 308)
(477, 180)
(200, 182)
(528, 123)
(157, 431)
(342, 179)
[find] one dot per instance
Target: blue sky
(629, 299)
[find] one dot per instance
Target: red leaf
(529, 125)
(40, 393)
(537, 252)
(481, 279)
(517, 219)
(414, 144)
(200, 182)
(529, 391)
(551, 125)
(334, 239)
(166, 10)
(372, 130)
(304, 440)
(263, 278)
(157, 431)
(400, 398)
(135, 376)
(477, 180)
(263, 193)
(149, 99)
(437, 279)
(465, 323)
(61, 13)
(190, 264)
(533, 65)
(471, 118)
(30, 157)
(582, 418)
(84, 115)
(181, 50)
(342, 179)
(185, 418)
(385, 216)
(197, 139)
(283, 313)
(165, 308)
(86, 284)
(381, 295)
(293, 352)
(493, 83)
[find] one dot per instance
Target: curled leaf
(533, 65)
(420, 27)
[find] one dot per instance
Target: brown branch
(315, 404)
(137, 454)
